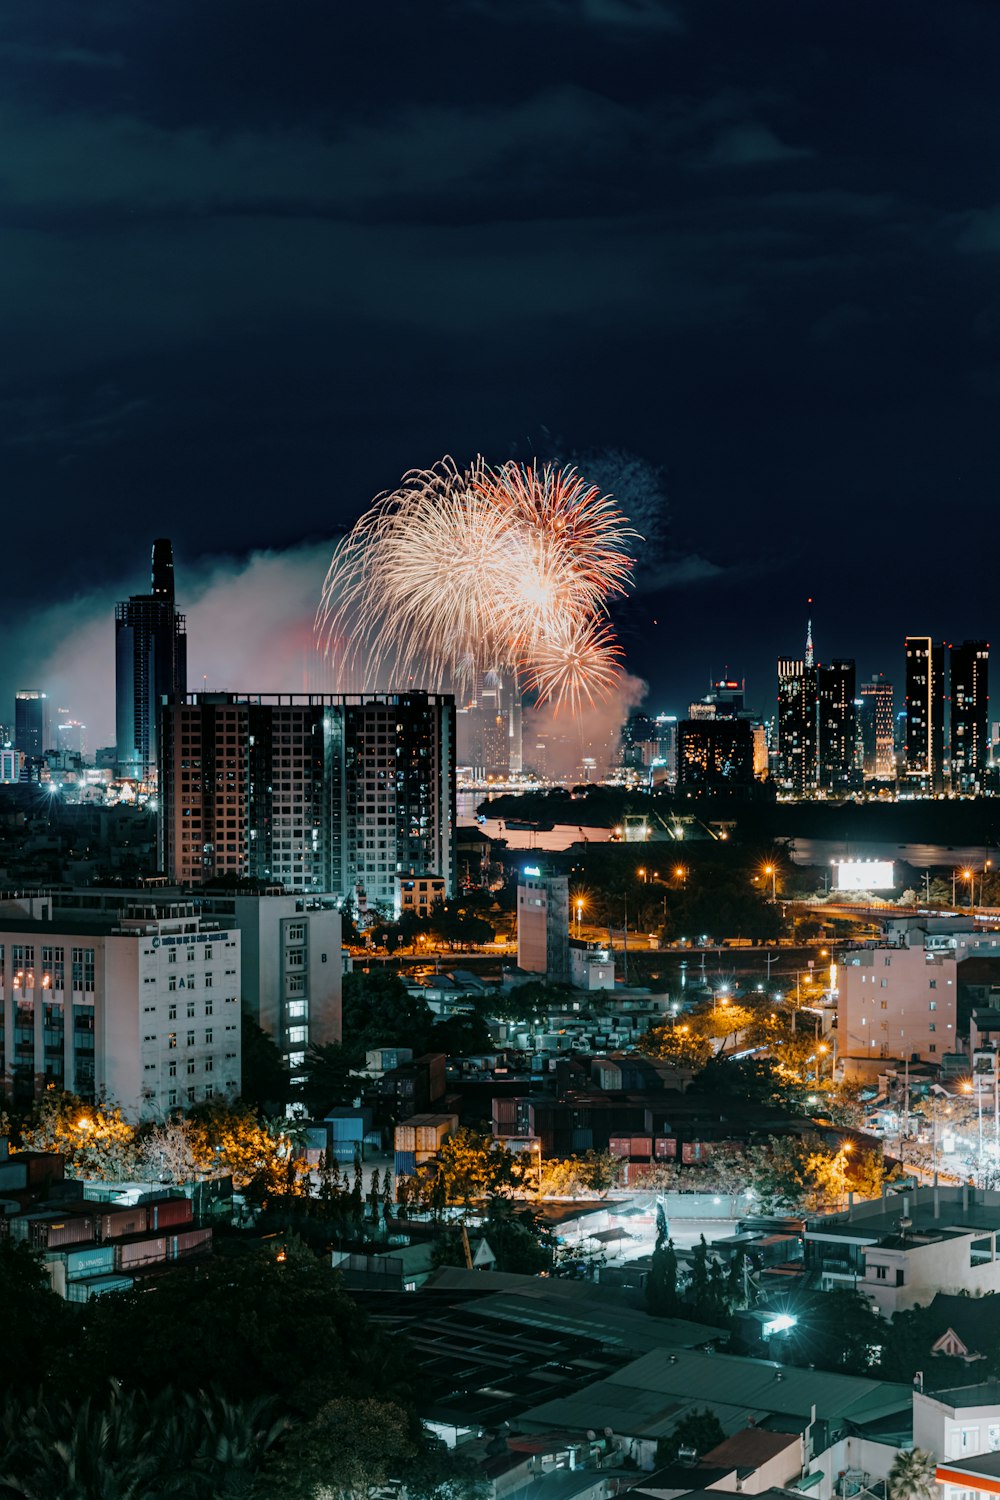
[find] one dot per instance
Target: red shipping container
(48, 1234)
(190, 1242)
(693, 1151)
(642, 1146)
(620, 1145)
(145, 1252)
(116, 1222)
(666, 1146)
(168, 1212)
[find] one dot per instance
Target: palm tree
(912, 1476)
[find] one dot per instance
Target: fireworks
(458, 572)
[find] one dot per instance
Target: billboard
(863, 875)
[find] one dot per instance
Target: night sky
(739, 258)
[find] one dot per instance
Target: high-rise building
(837, 729)
(150, 664)
(969, 670)
(798, 729)
(877, 723)
(31, 723)
(925, 713)
(714, 755)
(318, 792)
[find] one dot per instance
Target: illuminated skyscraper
(798, 727)
(969, 668)
(150, 663)
(877, 726)
(837, 728)
(31, 722)
(925, 713)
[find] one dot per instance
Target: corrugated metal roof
(756, 1382)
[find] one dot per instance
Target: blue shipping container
(97, 1286)
(92, 1260)
(343, 1150)
(406, 1163)
(351, 1128)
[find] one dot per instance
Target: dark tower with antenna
(150, 662)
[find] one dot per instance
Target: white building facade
(142, 1007)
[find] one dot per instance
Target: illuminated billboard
(862, 875)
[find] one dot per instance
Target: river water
(803, 851)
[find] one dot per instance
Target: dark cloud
(259, 260)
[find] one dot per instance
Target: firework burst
(458, 572)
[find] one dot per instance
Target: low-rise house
(960, 1423)
(976, 1478)
(901, 1251)
(846, 1423)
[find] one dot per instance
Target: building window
(208, 1007)
(172, 1041)
(172, 983)
(884, 984)
(190, 1066)
(172, 1098)
(933, 984)
(208, 981)
(172, 1069)
(190, 1038)
(208, 1037)
(190, 1010)
(172, 956)
(208, 952)
(881, 1272)
(209, 1065)
(933, 1005)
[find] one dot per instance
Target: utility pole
(625, 943)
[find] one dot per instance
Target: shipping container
(344, 1151)
(89, 1260)
(144, 1252)
(406, 1163)
(666, 1147)
(348, 1128)
(52, 1234)
(97, 1286)
(21, 1226)
(114, 1223)
(620, 1145)
(583, 1140)
(189, 1242)
(169, 1211)
(43, 1166)
(693, 1151)
(13, 1175)
(642, 1147)
(505, 1111)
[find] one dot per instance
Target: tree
(662, 1294)
(469, 1166)
(123, 1445)
(700, 1430)
(242, 1325)
(329, 1082)
(676, 1044)
(257, 1154)
(517, 1239)
(463, 1033)
(266, 1081)
(379, 1011)
(352, 1449)
(38, 1328)
(912, 1476)
(96, 1139)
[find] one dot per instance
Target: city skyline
(761, 319)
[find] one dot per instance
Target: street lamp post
(579, 913)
